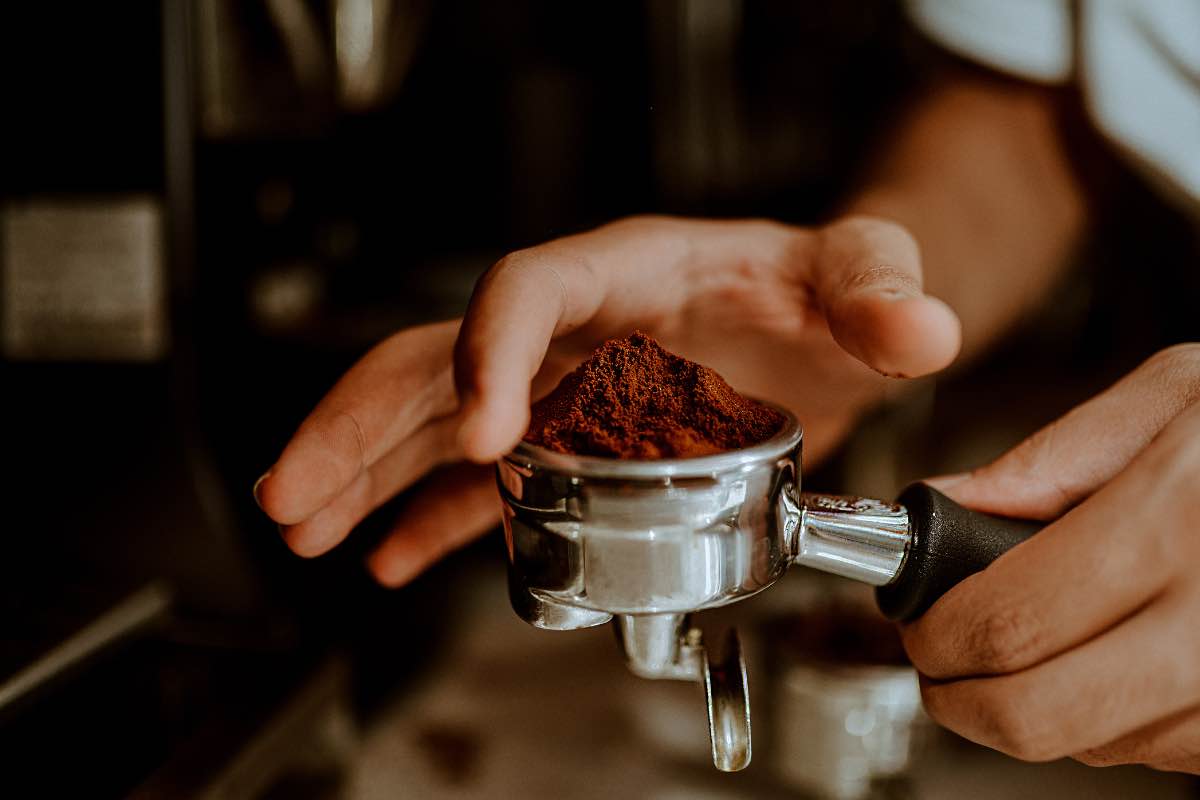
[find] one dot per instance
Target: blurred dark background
(211, 208)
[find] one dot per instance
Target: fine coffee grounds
(634, 400)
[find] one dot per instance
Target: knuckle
(1179, 356)
(1186, 477)
(1038, 470)
(874, 226)
(1005, 640)
(1178, 368)
(1018, 731)
(542, 258)
(1037, 450)
(1039, 460)
(542, 266)
(1177, 456)
(884, 235)
(515, 262)
(997, 717)
(880, 275)
(342, 442)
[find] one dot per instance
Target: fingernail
(258, 485)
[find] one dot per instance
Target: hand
(807, 318)
(1084, 641)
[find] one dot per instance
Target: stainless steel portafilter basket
(647, 543)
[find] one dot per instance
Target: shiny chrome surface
(855, 537)
(646, 537)
(542, 612)
(650, 542)
(841, 728)
(661, 646)
(728, 693)
(677, 536)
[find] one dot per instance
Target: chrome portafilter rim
(572, 518)
(782, 443)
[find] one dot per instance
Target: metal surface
(659, 646)
(551, 615)
(855, 537)
(642, 537)
(652, 541)
(528, 714)
(839, 728)
(140, 610)
(727, 691)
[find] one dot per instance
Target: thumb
(1072, 457)
(868, 280)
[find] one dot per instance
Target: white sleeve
(1027, 38)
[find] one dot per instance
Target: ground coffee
(632, 399)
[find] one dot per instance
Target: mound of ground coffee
(632, 399)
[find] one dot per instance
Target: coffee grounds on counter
(634, 400)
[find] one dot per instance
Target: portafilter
(647, 543)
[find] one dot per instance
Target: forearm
(979, 175)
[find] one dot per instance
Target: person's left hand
(1084, 641)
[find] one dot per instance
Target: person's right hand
(812, 319)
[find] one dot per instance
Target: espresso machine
(645, 544)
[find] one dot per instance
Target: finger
(631, 273)
(1093, 694)
(382, 480)
(1074, 579)
(1044, 475)
(515, 311)
(868, 280)
(1172, 743)
(456, 506)
(390, 393)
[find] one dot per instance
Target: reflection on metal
(131, 615)
(665, 646)
(700, 144)
(728, 693)
(84, 280)
(281, 68)
(306, 741)
(855, 537)
(840, 728)
(286, 296)
(651, 542)
(301, 37)
(374, 44)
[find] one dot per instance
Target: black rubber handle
(949, 543)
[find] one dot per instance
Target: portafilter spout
(651, 542)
